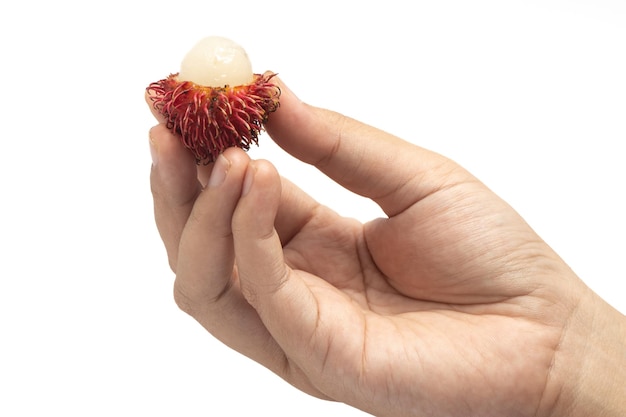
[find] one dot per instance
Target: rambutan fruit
(215, 101)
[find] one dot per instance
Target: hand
(450, 306)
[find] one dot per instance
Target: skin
(450, 306)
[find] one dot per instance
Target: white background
(528, 95)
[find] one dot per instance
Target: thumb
(368, 161)
(278, 294)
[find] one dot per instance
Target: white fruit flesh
(216, 62)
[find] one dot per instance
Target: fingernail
(249, 179)
(218, 174)
(154, 153)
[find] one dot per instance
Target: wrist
(590, 364)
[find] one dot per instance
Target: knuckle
(255, 293)
(250, 294)
(172, 259)
(201, 301)
(184, 300)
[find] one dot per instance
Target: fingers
(206, 259)
(281, 297)
(175, 186)
(229, 249)
(206, 285)
(158, 116)
(298, 309)
(370, 162)
(203, 170)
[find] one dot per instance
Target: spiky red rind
(211, 119)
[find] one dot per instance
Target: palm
(453, 291)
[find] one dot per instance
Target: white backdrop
(528, 95)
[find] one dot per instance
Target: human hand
(450, 306)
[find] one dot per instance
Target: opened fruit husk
(209, 119)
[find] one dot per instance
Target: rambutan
(215, 101)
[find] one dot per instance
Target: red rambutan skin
(210, 119)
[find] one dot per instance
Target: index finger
(157, 115)
(368, 161)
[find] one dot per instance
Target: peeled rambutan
(215, 101)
